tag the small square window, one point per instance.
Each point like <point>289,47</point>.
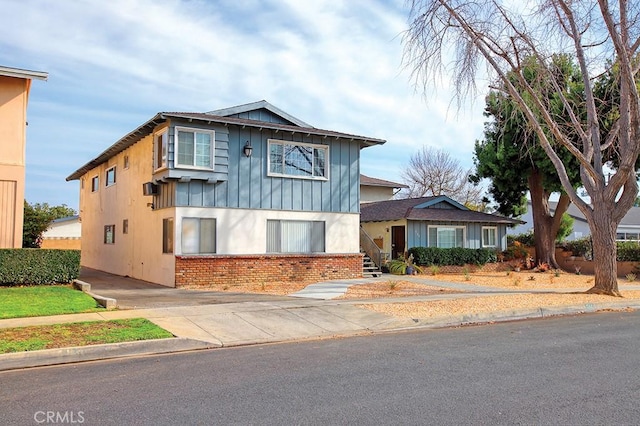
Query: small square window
<point>109,234</point>
<point>125,226</point>
<point>111,176</point>
<point>95,184</point>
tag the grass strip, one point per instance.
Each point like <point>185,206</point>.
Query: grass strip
<point>35,338</point>
<point>36,301</point>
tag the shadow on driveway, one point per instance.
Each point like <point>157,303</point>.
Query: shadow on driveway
<point>131,293</point>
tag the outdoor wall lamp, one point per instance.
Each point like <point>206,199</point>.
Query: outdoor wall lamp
<point>248,149</point>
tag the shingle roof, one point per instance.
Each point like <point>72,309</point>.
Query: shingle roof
<point>410,208</point>
<point>147,128</point>
<point>366,180</point>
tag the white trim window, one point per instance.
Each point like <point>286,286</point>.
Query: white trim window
<point>295,236</point>
<point>194,148</point>
<point>198,235</point>
<point>489,236</point>
<point>160,150</point>
<point>95,183</point>
<point>110,176</point>
<point>299,160</point>
<point>446,236</point>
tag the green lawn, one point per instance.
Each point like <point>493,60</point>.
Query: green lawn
<point>17,302</point>
<point>34,338</point>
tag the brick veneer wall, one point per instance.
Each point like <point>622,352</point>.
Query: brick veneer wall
<point>303,268</point>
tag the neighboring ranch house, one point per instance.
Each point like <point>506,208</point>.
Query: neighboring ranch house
<point>373,189</point>
<point>398,225</point>
<point>64,233</point>
<point>15,85</point>
<point>628,229</point>
<point>248,193</point>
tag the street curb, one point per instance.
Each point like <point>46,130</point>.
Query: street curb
<point>20,360</point>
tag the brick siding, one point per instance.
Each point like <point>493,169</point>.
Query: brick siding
<point>195,271</point>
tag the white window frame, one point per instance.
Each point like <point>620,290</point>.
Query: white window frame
<point>325,148</point>
<point>495,236</point>
<point>160,153</point>
<point>95,183</point>
<point>464,233</point>
<point>197,234</point>
<point>285,243</point>
<point>212,148</point>
<point>106,176</point>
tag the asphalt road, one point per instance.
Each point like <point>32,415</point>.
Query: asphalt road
<point>571,370</point>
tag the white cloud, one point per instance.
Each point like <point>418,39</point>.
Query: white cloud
<point>334,64</point>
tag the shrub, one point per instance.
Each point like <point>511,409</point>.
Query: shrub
<point>452,256</point>
<point>515,252</point>
<point>38,266</point>
<point>580,247</point>
<point>527,239</point>
<point>628,251</point>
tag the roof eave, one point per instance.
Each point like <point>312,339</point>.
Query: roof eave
<point>122,144</point>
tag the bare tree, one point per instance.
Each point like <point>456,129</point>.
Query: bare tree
<point>596,34</point>
<point>433,172</point>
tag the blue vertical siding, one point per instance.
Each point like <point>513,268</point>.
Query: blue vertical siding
<point>243,182</point>
<point>418,236</point>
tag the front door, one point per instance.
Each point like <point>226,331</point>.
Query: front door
<point>397,242</point>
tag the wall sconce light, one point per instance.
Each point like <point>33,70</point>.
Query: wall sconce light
<point>248,149</point>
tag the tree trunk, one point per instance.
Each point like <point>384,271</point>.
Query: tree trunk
<point>603,241</point>
<point>545,225</point>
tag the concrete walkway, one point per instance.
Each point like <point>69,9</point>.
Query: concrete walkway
<point>313,314</point>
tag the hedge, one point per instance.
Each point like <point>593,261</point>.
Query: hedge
<point>452,256</point>
<point>38,266</point>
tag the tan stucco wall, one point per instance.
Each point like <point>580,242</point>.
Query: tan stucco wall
<point>61,243</point>
<point>14,95</point>
<point>383,230</point>
<point>138,253</point>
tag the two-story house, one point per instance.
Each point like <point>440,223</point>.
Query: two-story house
<point>15,85</point>
<point>248,193</point>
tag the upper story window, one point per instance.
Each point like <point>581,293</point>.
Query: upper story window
<point>301,160</point>
<point>95,184</point>
<point>126,161</point>
<point>110,176</point>
<point>195,148</point>
<point>160,150</point>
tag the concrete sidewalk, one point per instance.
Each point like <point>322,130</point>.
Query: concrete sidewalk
<point>206,326</point>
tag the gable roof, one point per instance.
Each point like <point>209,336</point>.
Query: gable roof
<point>161,117</point>
<point>253,106</point>
<point>423,209</point>
<point>632,218</point>
<point>369,181</point>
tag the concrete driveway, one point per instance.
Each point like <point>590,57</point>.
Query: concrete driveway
<point>131,293</point>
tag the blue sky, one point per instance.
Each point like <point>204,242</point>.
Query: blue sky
<point>112,65</point>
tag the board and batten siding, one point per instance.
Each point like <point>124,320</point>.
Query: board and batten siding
<point>417,233</point>
<point>248,186</point>
<point>261,114</point>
